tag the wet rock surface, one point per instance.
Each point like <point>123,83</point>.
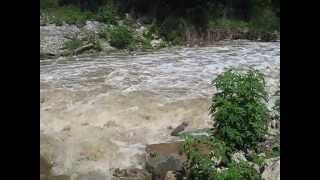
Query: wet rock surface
<point>131,174</point>
<point>271,169</point>
<point>162,158</point>
<point>179,129</point>
<point>170,176</point>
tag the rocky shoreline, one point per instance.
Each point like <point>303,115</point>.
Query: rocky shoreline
<point>53,38</point>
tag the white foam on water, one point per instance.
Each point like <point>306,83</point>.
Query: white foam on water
<point>105,109</point>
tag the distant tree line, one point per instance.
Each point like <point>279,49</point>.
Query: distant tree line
<point>196,11</point>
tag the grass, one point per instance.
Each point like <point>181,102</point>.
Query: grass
<point>228,24</point>
<point>71,14</point>
<point>67,14</point>
<point>73,44</point>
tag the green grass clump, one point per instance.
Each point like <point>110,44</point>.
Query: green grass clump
<point>228,24</point>
<point>67,14</point>
<point>237,171</point>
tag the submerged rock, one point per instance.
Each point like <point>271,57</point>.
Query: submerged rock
<point>170,176</point>
<point>92,176</point>
<point>131,174</point>
<point>162,158</point>
<point>179,129</point>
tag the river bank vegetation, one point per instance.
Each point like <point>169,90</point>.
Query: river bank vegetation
<point>174,22</point>
<point>233,150</point>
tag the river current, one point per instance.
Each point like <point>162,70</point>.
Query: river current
<point>99,111</point>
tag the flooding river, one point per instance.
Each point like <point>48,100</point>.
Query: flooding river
<point>99,112</point>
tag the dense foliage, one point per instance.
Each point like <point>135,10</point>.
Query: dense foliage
<point>241,117</point>
<point>237,171</point>
<point>239,109</point>
<point>204,155</point>
<point>196,12</point>
<point>208,160</point>
<point>120,37</point>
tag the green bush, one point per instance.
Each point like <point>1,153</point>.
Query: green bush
<point>48,4</point>
<point>172,29</point>
<point>204,155</point>
<point>107,14</point>
<point>266,20</point>
<point>239,109</point>
<point>120,37</point>
<point>237,171</point>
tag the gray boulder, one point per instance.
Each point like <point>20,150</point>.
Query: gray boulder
<point>162,158</point>
<point>161,164</point>
<point>271,169</point>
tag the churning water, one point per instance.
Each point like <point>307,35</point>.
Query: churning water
<point>99,112</point>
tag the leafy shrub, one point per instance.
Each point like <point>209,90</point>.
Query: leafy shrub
<point>237,171</point>
<point>107,14</point>
<point>172,29</point>
<point>239,109</point>
<point>204,155</point>
<point>48,4</point>
<point>120,37</point>
<point>266,20</point>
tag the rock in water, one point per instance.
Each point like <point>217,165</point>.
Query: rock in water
<point>179,129</point>
<point>156,43</point>
<point>272,169</point>
<point>170,176</point>
<point>131,174</point>
<point>92,175</point>
<point>162,158</point>
<point>160,164</point>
